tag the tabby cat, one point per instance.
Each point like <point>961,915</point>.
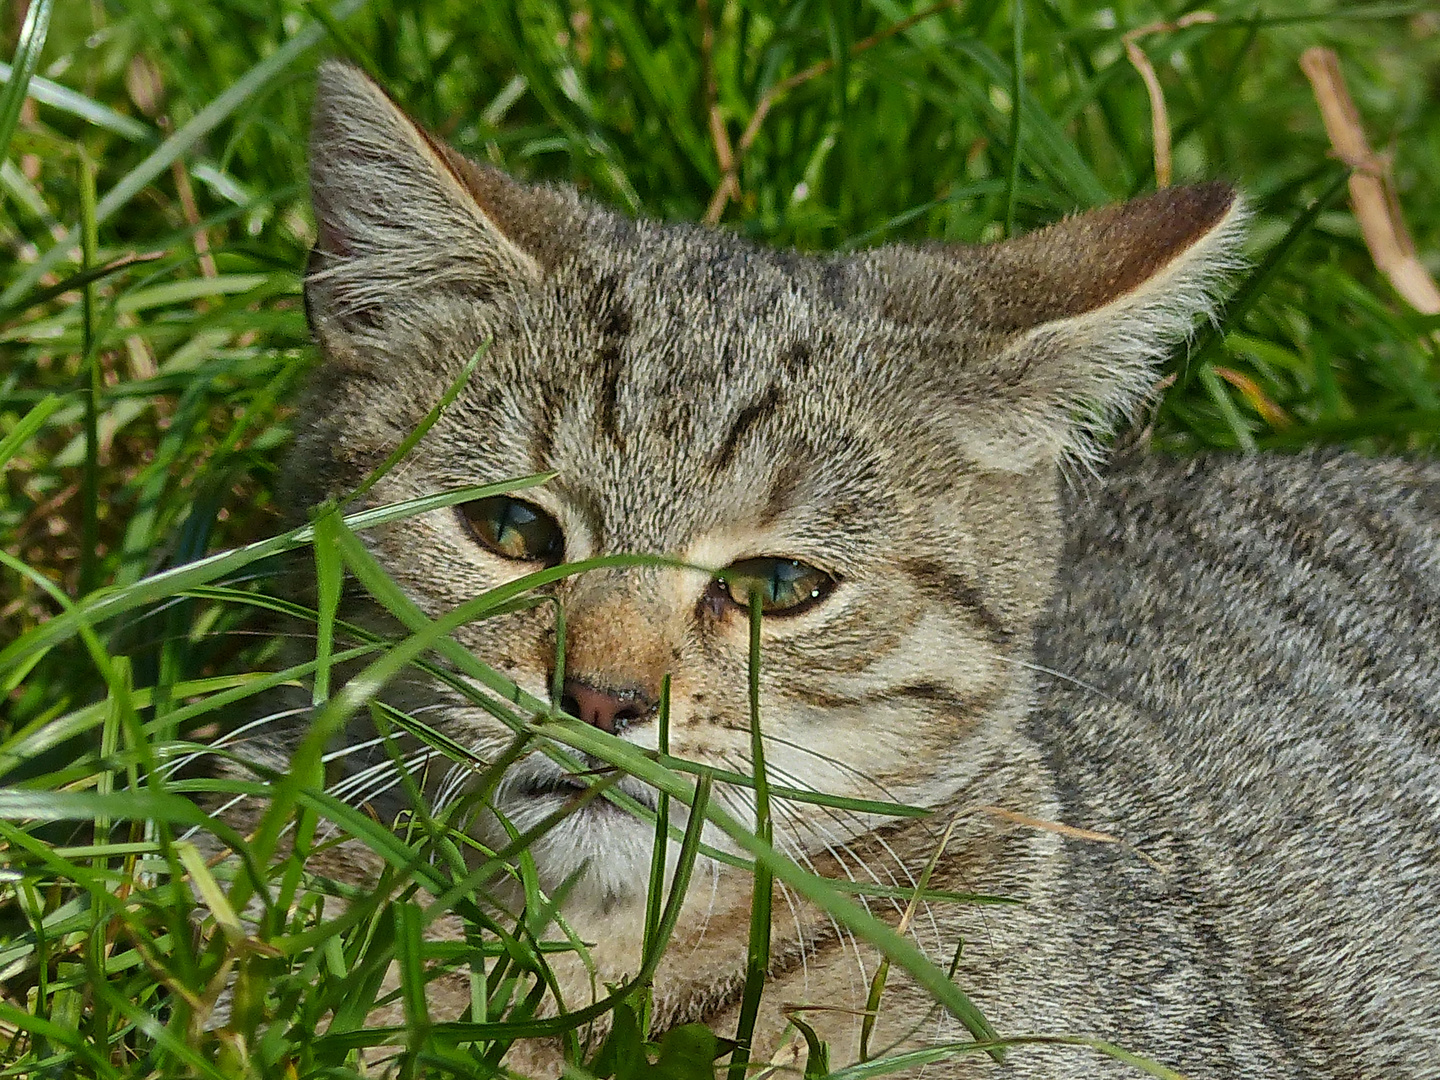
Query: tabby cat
<point>1229,665</point>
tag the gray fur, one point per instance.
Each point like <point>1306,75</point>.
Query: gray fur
<point>1253,702</point>
<point>1230,665</point>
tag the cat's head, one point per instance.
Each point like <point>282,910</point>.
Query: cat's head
<point>870,441</point>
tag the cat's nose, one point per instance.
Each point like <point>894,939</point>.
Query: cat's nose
<point>610,710</point>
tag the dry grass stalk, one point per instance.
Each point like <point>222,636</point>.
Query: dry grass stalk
<point>191,211</point>
<point>729,186</point>
<point>1372,195</point>
<point>1274,415</point>
<point>146,86</point>
<point>1066,830</point>
<point>1159,115</point>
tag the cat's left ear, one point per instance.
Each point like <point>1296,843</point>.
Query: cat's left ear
<point>1058,333</point>
<point>404,222</point>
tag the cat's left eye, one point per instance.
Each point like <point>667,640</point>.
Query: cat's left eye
<point>515,529</point>
<point>785,586</point>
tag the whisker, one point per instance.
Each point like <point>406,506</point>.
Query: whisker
<point>845,766</point>
<point>1042,669</point>
<point>240,734</point>
<point>359,787</point>
<point>879,838</point>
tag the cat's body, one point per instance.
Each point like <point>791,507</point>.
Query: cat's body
<point>1262,718</point>
<point>1236,676</point>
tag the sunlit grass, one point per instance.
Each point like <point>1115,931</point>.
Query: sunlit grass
<point>151,331</point>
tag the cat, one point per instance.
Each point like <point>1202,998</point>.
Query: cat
<point>1229,665</point>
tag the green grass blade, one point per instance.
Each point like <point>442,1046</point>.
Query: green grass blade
<point>662,826</point>
<point>90,365</point>
<point>757,955</point>
<point>34,805</point>
<point>329,576</point>
<point>27,426</point>
<point>690,847</point>
<point>409,948</point>
<point>243,90</point>
<point>1017,110</point>
<point>27,58</point>
<point>77,104</point>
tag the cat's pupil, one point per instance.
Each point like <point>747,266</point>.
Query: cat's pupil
<point>783,585</point>
<point>515,529</point>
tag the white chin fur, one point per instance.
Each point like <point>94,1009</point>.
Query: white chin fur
<point>609,844</point>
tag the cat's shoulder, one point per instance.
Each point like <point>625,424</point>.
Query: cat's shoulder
<point>1305,580</point>
<point>1331,491</point>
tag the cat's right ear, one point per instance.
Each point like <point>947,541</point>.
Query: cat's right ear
<point>1054,335</point>
<point>404,222</point>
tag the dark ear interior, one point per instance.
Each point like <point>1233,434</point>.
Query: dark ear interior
<point>1074,266</point>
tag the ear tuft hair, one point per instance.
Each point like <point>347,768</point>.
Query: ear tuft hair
<point>400,216</point>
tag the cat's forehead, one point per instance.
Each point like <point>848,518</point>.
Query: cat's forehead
<point>679,278</point>
<point>682,382</point>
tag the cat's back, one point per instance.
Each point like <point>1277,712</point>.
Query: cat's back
<point>1246,689</point>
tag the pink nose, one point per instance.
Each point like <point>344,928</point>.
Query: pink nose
<point>611,711</point>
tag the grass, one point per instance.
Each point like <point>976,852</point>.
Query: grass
<point>156,228</point>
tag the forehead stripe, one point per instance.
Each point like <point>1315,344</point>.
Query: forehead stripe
<point>613,323</point>
<point>744,421</point>
<point>948,587</point>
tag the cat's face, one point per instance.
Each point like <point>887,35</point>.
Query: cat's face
<point>869,444</point>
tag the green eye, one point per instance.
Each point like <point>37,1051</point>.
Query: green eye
<point>784,585</point>
<point>514,529</point>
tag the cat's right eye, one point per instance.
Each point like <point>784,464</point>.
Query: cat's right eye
<point>784,586</point>
<point>514,529</point>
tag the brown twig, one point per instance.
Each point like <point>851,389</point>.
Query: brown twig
<point>1250,390</point>
<point>1065,830</point>
<point>729,186</point>
<point>192,216</point>
<point>1159,115</point>
<point>1372,194</point>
